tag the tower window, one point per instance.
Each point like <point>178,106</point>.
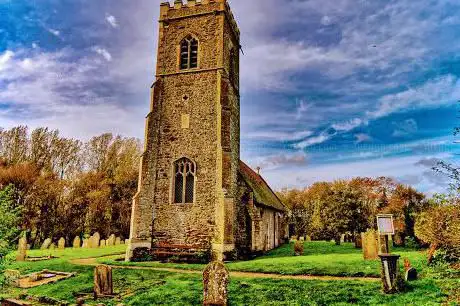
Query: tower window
<point>189,53</point>
<point>184,181</point>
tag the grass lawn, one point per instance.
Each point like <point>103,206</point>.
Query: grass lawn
<point>319,258</point>
<point>148,287</point>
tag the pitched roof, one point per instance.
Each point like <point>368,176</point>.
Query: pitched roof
<point>262,192</point>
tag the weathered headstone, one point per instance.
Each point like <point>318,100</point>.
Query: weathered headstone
<point>302,238</point>
<point>96,238</point>
<point>22,249</point>
<point>111,240</point>
<point>117,241</point>
<point>391,281</point>
<point>61,243</point>
<point>215,283</point>
<point>358,241</point>
<point>102,243</point>
<point>342,238</point>
<point>370,245</point>
<point>103,285</point>
<point>52,246</point>
<point>308,238</point>
<point>46,244</point>
<point>126,241</point>
<point>76,242</point>
<point>85,243</point>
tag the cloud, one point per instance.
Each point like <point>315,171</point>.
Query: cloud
<point>406,128</point>
<point>283,160</point>
<point>362,137</point>
<point>347,125</point>
<point>104,53</point>
<point>111,20</point>
<point>56,33</point>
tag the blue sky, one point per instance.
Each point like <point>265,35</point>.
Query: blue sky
<point>330,88</point>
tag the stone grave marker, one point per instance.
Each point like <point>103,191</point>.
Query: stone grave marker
<point>111,240</point>
<point>76,242</point>
<point>85,243</point>
<point>61,243</point>
<point>96,240</point>
<point>22,249</point>
<point>102,243</point>
<point>46,244</point>
<point>342,238</point>
<point>308,238</point>
<point>103,285</point>
<point>117,241</point>
<point>215,283</point>
<point>370,245</point>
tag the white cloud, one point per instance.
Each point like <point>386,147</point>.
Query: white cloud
<point>362,137</point>
<point>312,141</point>
<point>54,32</point>
<point>111,20</point>
<point>406,128</point>
<point>104,53</point>
<point>347,125</point>
<point>5,58</point>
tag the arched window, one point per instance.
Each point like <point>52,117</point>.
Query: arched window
<point>189,53</point>
<point>184,181</point>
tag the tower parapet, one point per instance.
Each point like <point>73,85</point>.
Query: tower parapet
<point>180,9</point>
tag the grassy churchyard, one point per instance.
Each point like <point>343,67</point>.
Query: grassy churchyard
<point>153,283</point>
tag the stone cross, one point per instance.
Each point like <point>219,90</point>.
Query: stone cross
<point>103,285</point>
<point>215,283</point>
<point>76,242</point>
<point>22,249</point>
<point>61,243</point>
<point>46,244</point>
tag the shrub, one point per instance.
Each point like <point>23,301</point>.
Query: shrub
<point>439,226</point>
<point>411,242</point>
<point>298,248</point>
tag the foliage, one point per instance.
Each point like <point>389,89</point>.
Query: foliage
<point>67,188</point>
<point>325,210</point>
<point>411,243</point>
<point>298,248</point>
<point>439,226</point>
<point>9,225</point>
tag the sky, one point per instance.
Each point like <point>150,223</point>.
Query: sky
<point>330,89</point>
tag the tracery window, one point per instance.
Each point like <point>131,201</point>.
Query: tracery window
<point>189,53</point>
<point>184,181</point>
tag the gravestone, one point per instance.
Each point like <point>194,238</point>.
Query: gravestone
<point>411,274</point>
<point>22,249</point>
<point>103,285</point>
<point>46,244</point>
<point>85,243</point>
<point>358,241</point>
<point>215,283</point>
<point>52,246</point>
<point>96,238</point>
<point>391,282</point>
<point>102,243</point>
<point>126,241</point>
<point>370,245</point>
<point>61,243</point>
<point>117,241</point>
<point>76,242</point>
<point>342,238</point>
<point>111,240</point>
<point>308,238</point>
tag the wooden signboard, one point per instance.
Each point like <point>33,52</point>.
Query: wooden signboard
<point>385,224</point>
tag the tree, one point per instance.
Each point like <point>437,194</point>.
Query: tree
<point>9,225</point>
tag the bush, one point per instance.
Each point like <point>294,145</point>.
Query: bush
<point>411,243</point>
<point>439,226</point>
<point>298,248</point>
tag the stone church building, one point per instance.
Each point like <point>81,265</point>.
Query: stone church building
<point>195,195</point>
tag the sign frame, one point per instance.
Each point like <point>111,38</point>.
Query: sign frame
<point>386,217</point>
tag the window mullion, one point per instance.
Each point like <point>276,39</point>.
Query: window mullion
<point>189,55</point>
<point>184,185</point>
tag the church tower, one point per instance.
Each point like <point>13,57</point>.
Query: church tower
<point>186,200</point>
